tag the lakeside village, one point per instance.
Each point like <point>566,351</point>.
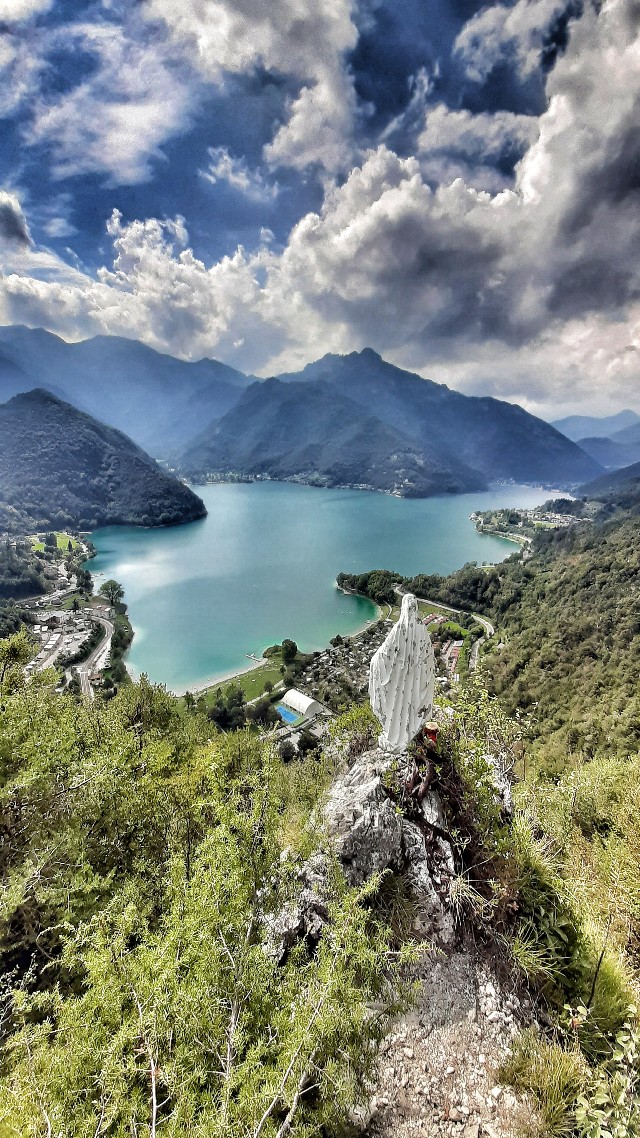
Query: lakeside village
<point>286,693</point>
<point>291,695</point>
<point>521,525</point>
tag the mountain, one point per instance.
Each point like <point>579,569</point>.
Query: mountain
<point>628,436</point>
<point>59,467</point>
<point>356,420</point>
<point>313,433</point>
<point>159,401</point>
<point>610,453</point>
<point>578,427</point>
<point>623,484</point>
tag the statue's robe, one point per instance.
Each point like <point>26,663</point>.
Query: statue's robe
<point>402,679</point>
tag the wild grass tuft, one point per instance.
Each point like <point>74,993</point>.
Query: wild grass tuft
<point>553,1076</point>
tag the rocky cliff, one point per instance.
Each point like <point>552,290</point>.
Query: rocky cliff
<point>437,1070</point>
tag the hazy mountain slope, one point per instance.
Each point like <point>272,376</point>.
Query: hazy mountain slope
<point>624,481</point>
<point>578,427</point>
<point>59,467</point>
<point>628,436</point>
<point>499,439</point>
<point>609,453</point>
<point>311,431</point>
<point>159,401</point>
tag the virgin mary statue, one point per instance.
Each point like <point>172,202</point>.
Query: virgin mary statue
<point>402,679</point>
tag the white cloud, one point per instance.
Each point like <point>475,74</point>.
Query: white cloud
<point>506,32</point>
<point>305,39</point>
<point>17,11</point>
<point>117,119</point>
<point>21,63</point>
<point>223,167</point>
<point>458,144</point>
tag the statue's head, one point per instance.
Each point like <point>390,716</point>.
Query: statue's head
<point>409,608</point>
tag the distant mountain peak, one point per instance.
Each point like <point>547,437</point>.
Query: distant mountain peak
<point>368,354</point>
<point>358,420</point>
<point>35,395</point>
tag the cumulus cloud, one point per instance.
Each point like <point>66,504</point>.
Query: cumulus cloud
<point>116,120</point>
<point>17,11</point>
<point>457,144</point>
<point>305,39</point>
<point>517,33</point>
<point>223,167</point>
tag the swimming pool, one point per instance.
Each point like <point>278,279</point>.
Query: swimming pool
<point>286,713</point>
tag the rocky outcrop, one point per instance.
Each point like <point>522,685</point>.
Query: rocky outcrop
<point>306,916</point>
<point>370,833</point>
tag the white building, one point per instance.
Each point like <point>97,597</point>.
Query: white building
<point>303,705</point>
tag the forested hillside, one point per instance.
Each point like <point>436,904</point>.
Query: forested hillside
<point>23,573</point>
<point>312,433</point>
<point>61,468</point>
<point>143,870</point>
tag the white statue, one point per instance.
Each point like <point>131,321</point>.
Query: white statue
<point>402,679</point>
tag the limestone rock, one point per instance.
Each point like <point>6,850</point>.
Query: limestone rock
<point>304,918</point>
<point>370,834</point>
<point>363,824</point>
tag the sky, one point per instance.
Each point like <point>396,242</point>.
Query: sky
<point>455,185</point>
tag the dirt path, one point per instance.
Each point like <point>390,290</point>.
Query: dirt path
<point>437,1072</point>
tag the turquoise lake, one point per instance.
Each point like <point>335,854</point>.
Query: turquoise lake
<point>262,566</point>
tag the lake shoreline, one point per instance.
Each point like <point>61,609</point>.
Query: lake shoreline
<point>263,565</point>
<point>208,685</point>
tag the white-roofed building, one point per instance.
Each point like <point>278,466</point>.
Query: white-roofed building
<point>304,705</point>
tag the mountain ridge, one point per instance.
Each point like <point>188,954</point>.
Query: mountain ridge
<point>576,427</point>
<point>294,431</point>
<point>476,439</point>
<point>60,467</point>
<point>156,399</point>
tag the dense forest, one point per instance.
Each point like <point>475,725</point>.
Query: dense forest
<point>61,469</point>
<point>144,864</point>
<point>23,572</point>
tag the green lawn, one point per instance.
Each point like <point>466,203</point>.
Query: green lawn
<point>62,539</point>
<point>423,608</point>
<point>455,630</point>
<point>252,683</point>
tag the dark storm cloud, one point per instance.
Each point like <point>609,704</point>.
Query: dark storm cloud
<point>13,227</point>
<point>592,284</point>
<point>611,183</point>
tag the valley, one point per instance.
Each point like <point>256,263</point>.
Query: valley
<point>106,626</point>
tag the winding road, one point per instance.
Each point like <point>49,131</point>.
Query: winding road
<point>481,620</point>
<point>95,661</point>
